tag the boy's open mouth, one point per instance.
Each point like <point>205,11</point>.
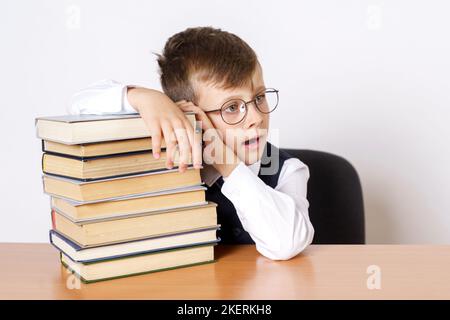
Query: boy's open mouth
<point>252,143</point>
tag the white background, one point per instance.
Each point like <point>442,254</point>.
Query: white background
<point>367,80</point>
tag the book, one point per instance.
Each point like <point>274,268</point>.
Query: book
<point>116,211</point>
<point>96,149</point>
<point>87,128</point>
<point>102,167</point>
<point>147,224</point>
<point>140,264</point>
<point>106,252</point>
<point>154,201</point>
<point>106,189</point>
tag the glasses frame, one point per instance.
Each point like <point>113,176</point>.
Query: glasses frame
<point>271,90</point>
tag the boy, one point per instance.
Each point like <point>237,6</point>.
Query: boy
<point>216,75</point>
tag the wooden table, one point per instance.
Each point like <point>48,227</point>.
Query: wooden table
<point>33,271</point>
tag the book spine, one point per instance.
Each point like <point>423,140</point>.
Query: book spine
<point>118,176</point>
<point>53,219</point>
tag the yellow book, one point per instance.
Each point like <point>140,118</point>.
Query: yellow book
<point>86,128</point>
<point>105,167</point>
<point>107,189</point>
<point>114,230</point>
<point>171,199</point>
<point>87,150</point>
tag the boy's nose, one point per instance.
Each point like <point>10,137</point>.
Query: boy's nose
<point>254,117</point>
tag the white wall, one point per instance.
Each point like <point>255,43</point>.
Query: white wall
<point>368,80</point>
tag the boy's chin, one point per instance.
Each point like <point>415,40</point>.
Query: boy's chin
<point>250,157</point>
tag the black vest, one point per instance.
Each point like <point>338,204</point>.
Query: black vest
<point>231,230</point>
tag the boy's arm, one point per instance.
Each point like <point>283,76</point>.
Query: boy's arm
<point>102,97</point>
<point>276,218</point>
<point>161,115</point>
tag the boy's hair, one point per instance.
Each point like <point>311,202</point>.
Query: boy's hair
<point>204,54</point>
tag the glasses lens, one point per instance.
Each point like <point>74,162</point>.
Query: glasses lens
<point>233,111</point>
<point>267,101</point>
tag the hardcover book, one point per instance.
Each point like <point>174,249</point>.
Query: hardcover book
<point>154,244</point>
<point>126,206</point>
<point>96,149</point>
<point>102,167</point>
<point>140,264</point>
<point>107,189</point>
<point>147,224</point>
<point>87,128</point>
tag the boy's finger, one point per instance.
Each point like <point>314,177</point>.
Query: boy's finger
<point>155,134</point>
<point>170,144</point>
<point>156,142</point>
<point>184,148</point>
<point>195,140</point>
<point>186,107</point>
<point>189,130</point>
<point>206,123</point>
<point>197,151</point>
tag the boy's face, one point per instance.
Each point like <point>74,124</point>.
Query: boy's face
<point>239,137</point>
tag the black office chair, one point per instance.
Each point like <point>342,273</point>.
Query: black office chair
<point>335,198</point>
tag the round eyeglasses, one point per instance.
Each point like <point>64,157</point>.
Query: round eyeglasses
<point>234,111</point>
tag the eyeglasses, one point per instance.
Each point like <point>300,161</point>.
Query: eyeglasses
<point>234,111</point>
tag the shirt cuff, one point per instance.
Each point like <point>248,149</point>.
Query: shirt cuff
<point>127,107</point>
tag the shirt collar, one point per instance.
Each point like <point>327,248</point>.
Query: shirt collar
<point>210,175</point>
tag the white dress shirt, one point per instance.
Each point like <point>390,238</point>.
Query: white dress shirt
<point>276,218</point>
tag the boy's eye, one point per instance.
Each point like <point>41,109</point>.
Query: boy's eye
<point>260,98</point>
<point>232,108</point>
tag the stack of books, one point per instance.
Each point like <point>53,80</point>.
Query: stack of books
<point>115,209</point>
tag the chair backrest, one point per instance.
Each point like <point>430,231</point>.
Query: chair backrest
<point>335,197</point>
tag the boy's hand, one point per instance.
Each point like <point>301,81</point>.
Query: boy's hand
<point>166,120</point>
<point>224,158</point>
